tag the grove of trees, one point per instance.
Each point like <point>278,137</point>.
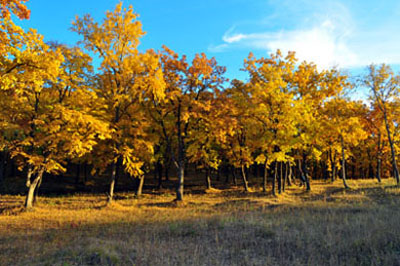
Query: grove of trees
<point>159,112</point>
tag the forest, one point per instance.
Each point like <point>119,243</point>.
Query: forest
<point>156,111</point>
<point>168,150</point>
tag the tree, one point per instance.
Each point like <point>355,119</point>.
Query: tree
<point>342,121</point>
<point>275,111</point>
<point>41,131</point>
<point>384,88</point>
<point>126,78</point>
<point>187,88</point>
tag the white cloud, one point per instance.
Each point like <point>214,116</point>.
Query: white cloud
<point>327,35</point>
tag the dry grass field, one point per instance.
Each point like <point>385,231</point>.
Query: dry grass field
<point>328,226</point>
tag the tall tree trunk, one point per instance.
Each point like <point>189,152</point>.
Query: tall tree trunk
<point>265,175</point>
<point>392,149</point>
<point>285,176</point>
<point>343,164</point>
<point>179,189</point>
<point>208,178</point>
<point>36,192</point>
<point>159,171</point>
<point>274,178</point>
<point>379,159</point>
<point>112,184</point>
<point>181,157</point>
<point>245,183</point>
<point>280,178</point>
<point>290,174</point>
<point>139,190</point>
<point>305,172</point>
<point>31,187</point>
<point>333,166</point>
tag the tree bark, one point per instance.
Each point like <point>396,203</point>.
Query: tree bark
<point>31,187</point>
<point>208,178</point>
<point>343,164</point>
<point>181,157</point>
<point>139,190</point>
<point>290,174</point>
<point>305,172</point>
<point>112,184</point>
<point>285,176</point>
<point>333,166</point>
<point>280,178</point>
<point>245,183</point>
<point>274,178</point>
<point>159,171</point>
<point>379,159</point>
<point>181,176</point>
<point>265,176</point>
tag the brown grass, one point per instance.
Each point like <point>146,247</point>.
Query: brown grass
<point>328,226</point>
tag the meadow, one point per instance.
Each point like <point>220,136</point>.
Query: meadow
<point>326,226</point>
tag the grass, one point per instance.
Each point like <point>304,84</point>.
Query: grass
<point>328,226</point>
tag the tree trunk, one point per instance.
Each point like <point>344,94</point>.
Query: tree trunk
<point>112,184</point>
<point>265,176</point>
<point>208,178</point>
<point>245,183</point>
<point>343,164</point>
<point>333,166</point>
<point>139,190</point>
<point>280,178</point>
<point>31,188</point>
<point>392,149</point>
<point>274,178</point>
<point>305,172</point>
<point>160,174</point>
<point>379,160</point>
<point>36,193</point>
<point>285,177</point>
<point>179,189</point>
<point>290,174</point>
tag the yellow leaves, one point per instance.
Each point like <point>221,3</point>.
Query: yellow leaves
<point>14,6</point>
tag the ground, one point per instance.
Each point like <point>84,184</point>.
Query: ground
<point>327,226</point>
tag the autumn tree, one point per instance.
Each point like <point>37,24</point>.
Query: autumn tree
<point>342,121</point>
<point>188,87</point>
<point>126,78</point>
<point>384,87</point>
<point>40,130</point>
<point>275,110</point>
<point>240,128</point>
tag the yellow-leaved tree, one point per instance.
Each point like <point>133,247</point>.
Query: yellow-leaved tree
<point>125,80</point>
<point>41,131</point>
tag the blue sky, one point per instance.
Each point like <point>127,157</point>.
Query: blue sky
<point>348,34</point>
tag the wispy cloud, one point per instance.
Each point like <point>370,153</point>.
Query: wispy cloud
<point>327,35</point>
